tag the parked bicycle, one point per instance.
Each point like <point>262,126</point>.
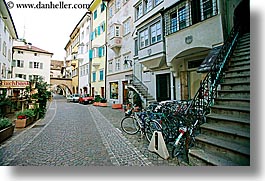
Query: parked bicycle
<point>136,120</point>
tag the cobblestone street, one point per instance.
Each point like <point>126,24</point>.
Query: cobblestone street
<point>72,134</point>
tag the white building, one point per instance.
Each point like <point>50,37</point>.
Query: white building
<point>30,62</point>
<point>83,50</point>
<point>120,49</point>
<point>7,35</point>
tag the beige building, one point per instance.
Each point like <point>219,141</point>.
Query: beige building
<point>120,49</point>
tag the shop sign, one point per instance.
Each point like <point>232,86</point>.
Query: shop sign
<point>13,84</point>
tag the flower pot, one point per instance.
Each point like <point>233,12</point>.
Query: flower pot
<point>22,123</point>
<point>103,104</point>
<point>116,106</point>
<point>6,133</point>
<point>96,103</point>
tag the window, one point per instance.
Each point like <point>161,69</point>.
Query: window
<point>114,90</point>
<point>147,5</point>
<point>136,47</point>
<point>173,18</point>
<point>139,11</point>
<point>19,63</point>
<point>157,2</point>
<point>36,65</point>
<point>94,77</point>
<point>118,4</point>
<point>95,14</point>
<point>156,33</point>
<point>110,66</point>
<point>117,65</point>
<point>21,76</point>
<point>127,62</point>
<point>144,38</point>
<point>101,75</point>
<point>117,31</point>
<point>182,18</point>
<point>102,7</point>
<point>111,11</point>
<point>207,9</point>
<point>4,48</point>
<point>126,27</point>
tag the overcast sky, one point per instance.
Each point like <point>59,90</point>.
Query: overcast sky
<point>48,29</point>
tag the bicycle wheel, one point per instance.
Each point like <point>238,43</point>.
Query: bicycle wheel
<point>129,125</point>
<point>179,149</point>
<point>151,126</point>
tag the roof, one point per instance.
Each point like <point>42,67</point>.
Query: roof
<point>9,21</point>
<point>31,48</point>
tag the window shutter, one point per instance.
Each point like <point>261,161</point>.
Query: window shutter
<point>41,65</point>
<point>98,30</point>
<point>14,63</point>
<point>90,54</point>
<point>30,64</point>
<point>100,51</point>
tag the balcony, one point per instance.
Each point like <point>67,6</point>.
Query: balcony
<point>80,56</point>
<point>115,43</point>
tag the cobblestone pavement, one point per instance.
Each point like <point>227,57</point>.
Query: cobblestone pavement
<point>71,135</point>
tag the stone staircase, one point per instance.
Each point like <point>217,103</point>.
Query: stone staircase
<point>225,137</point>
<point>140,88</point>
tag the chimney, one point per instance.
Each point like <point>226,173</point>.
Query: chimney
<point>29,45</point>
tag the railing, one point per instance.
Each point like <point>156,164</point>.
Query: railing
<point>187,13</point>
<point>204,97</point>
<point>136,82</point>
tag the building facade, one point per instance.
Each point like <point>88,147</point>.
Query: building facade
<point>119,49</point>
<point>7,35</point>
<point>150,54</point>
<point>30,62</point>
<point>82,56</point>
<point>97,52</point>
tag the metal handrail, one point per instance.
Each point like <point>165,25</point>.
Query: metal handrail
<point>136,81</point>
<point>207,92</point>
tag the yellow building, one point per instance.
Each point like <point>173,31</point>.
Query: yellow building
<point>74,63</point>
<point>97,53</point>
<point>71,61</point>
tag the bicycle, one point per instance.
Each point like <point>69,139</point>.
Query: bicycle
<point>133,122</point>
<point>185,138</point>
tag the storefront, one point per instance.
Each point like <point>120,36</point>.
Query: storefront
<point>15,87</point>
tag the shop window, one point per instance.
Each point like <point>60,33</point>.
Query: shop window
<point>114,90</point>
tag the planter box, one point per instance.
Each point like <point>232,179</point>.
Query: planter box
<point>96,103</point>
<point>103,104</point>
<point>22,123</point>
<point>116,106</point>
<point>6,133</point>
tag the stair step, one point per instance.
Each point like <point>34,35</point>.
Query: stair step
<point>234,93</point>
<point>225,119</point>
<point>241,64</point>
<point>240,58</point>
<point>236,85</point>
<point>201,157</point>
<point>242,112</point>
<point>235,147</point>
<point>233,78</point>
<point>238,71</point>
<point>242,49</point>
<point>238,102</point>
<point>225,129</point>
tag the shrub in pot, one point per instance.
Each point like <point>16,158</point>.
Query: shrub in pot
<point>6,129</point>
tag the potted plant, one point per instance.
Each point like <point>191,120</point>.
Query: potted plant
<point>6,129</point>
<point>24,118</point>
<point>97,100</point>
<point>103,102</point>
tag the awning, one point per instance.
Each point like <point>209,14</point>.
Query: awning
<point>209,60</point>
